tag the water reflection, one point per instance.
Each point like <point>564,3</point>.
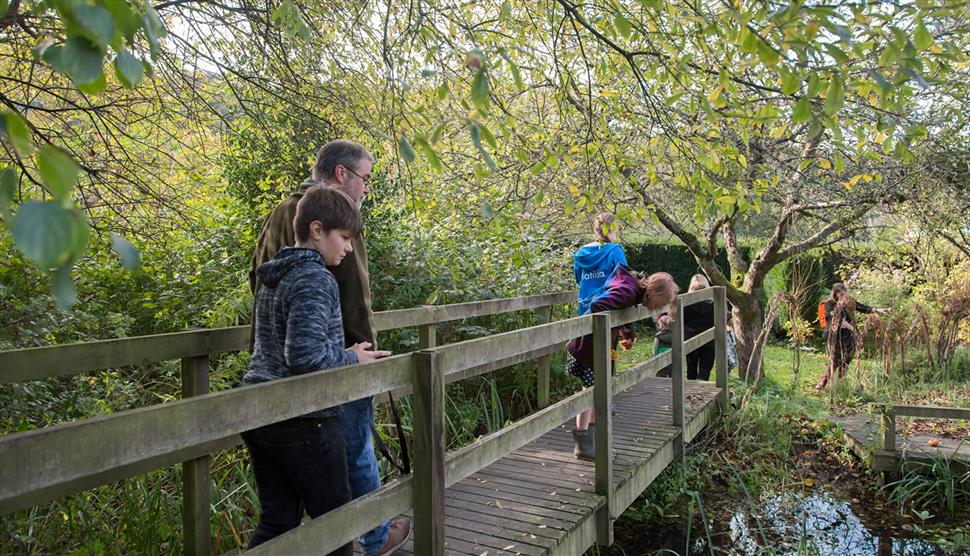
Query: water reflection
<point>817,523</point>
<point>796,524</point>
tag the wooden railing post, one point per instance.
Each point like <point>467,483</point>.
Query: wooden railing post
<point>196,507</point>
<point>427,337</point>
<point>603,409</point>
<point>888,429</point>
<point>720,345</point>
<point>428,402</point>
<point>544,316</point>
<point>677,365</point>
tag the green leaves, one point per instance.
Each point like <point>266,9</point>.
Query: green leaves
<point>126,21</point>
<point>58,170</point>
<point>429,153</point>
<point>922,39</point>
<point>622,25</point>
<point>767,53</point>
<point>287,16</point>
<point>790,81</point>
<point>96,22</point>
<point>15,128</point>
<point>407,151</point>
<point>91,29</point>
<point>477,131</point>
<point>835,96</point>
<point>129,256</point>
<point>45,232</point>
<point>63,287</point>
<point>802,112</point>
<point>8,188</point>
<point>80,59</point>
<point>814,85</point>
<point>480,88</point>
<point>53,237</point>
<point>128,69</point>
<point>884,85</point>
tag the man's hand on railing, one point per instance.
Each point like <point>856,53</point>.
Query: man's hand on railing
<point>365,356</point>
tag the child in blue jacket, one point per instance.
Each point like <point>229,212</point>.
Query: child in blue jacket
<point>595,261</point>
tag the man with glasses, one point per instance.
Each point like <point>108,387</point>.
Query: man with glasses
<point>347,166</point>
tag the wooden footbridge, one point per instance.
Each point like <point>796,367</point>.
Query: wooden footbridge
<point>879,442</point>
<point>516,491</point>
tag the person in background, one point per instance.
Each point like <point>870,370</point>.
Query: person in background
<point>732,350</point>
<point>840,331</point>
<point>698,317</point>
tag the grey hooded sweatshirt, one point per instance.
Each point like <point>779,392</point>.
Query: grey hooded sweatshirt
<point>299,327</point>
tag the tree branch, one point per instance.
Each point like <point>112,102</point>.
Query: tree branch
<point>816,239</point>
<point>693,244</point>
<point>735,257</point>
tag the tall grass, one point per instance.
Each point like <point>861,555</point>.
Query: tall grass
<point>939,484</point>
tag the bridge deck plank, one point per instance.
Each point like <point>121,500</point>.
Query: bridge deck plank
<point>863,437</point>
<point>534,499</point>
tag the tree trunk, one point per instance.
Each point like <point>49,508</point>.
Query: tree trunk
<point>748,322</point>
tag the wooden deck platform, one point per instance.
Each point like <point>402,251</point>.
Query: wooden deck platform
<point>541,500</point>
<point>862,434</point>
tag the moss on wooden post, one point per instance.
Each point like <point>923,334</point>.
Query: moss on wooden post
<point>720,345</point>
<point>428,394</point>
<point>196,510</point>
<point>677,364</point>
<point>544,316</point>
<point>603,408</point>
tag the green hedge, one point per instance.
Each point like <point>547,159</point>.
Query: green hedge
<point>820,270</point>
<point>668,257</point>
<point>817,270</point>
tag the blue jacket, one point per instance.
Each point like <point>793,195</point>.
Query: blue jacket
<point>298,321</point>
<point>592,265</point>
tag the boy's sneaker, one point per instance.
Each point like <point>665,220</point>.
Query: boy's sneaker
<point>399,530</point>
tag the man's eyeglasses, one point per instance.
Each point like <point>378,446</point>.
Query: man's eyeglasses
<point>362,178</point>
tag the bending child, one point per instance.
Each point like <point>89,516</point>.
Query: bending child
<point>624,288</point>
<point>593,263</point>
<point>301,463</point>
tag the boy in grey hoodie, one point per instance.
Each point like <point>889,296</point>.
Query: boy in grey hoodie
<point>301,463</point>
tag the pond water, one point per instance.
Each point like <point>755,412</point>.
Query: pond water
<point>792,523</point>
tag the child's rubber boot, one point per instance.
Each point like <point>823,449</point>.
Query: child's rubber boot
<point>584,444</point>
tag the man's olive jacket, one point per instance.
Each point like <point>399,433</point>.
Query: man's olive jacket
<point>351,274</point>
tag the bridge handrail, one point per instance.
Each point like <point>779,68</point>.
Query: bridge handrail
<point>75,358</point>
<point>51,462</point>
<point>890,412</point>
<point>463,359</point>
<point>931,411</point>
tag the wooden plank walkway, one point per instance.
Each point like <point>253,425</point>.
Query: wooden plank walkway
<point>863,436</point>
<point>540,499</point>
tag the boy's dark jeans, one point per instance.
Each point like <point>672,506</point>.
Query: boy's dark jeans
<point>299,464</point>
